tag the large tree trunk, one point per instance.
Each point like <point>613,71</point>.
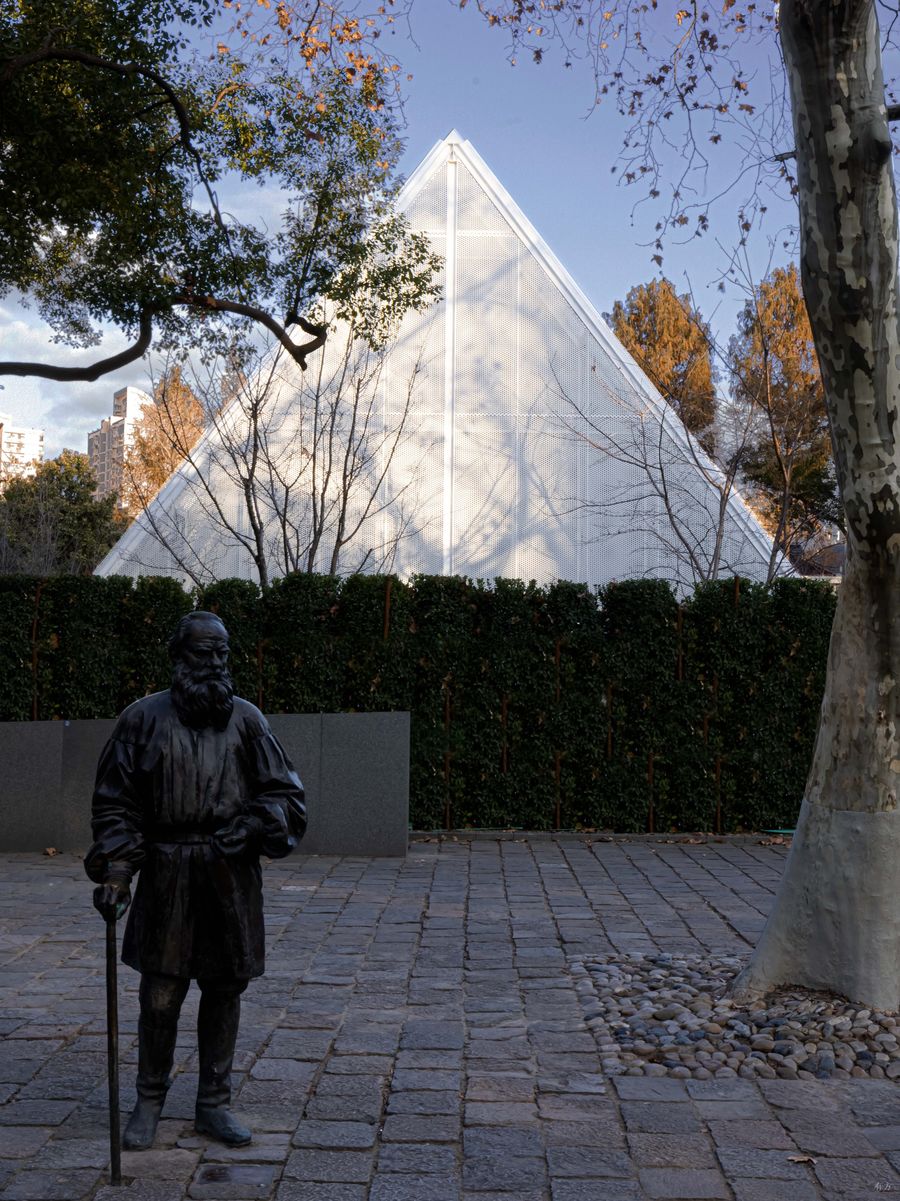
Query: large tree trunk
<point>836,920</point>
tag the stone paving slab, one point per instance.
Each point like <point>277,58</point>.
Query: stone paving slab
<point>419,1036</point>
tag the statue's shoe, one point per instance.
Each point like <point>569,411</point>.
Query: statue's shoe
<point>141,1129</point>
<point>221,1124</point>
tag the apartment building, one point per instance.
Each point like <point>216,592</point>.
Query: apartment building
<point>21,449</point>
<point>108,444</point>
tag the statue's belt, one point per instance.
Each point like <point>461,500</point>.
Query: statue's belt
<point>181,837</point>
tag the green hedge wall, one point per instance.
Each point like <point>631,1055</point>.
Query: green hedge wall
<point>539,708</point>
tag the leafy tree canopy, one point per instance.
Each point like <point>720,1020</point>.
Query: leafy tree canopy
<point>773,366</point>
<point>670,341</point>
<point>50,524</point>
<point>167,430</point>
<point>119,120</point>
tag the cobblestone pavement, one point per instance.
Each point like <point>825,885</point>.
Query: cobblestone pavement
<point>419,1037</point>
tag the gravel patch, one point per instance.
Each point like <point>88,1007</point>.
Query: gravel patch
<point>669,1015</point>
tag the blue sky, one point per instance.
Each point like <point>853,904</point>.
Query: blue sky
<point>534,128</point>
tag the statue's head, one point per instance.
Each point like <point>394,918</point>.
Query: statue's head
<point>199,635</point>
<point>201,686</point>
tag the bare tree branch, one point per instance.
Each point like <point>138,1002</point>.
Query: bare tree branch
<point>292,472</point>
<point>94,370</point>
<point>297,353</point>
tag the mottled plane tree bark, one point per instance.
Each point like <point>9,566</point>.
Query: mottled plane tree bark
<point>836,920</point>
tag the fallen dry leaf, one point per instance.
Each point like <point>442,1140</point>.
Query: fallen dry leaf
<point>50,852</point>
<point>801,1159</point>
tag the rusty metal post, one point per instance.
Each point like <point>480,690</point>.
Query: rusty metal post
<point>504,752</point>
<point>260,696</point>
<point>650,823</point>
<point>557,760</point>
<point>387,608</point>
<point>679,661</point>
<point>447,806</point>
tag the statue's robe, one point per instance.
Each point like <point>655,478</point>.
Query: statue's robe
<point>162,790</point>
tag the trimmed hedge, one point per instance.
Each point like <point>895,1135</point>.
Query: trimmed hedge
<point>539,708</point>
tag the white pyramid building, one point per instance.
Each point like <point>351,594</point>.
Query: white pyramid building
<point>534,447</point>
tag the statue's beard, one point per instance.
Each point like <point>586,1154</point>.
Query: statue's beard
<point>203,698</point>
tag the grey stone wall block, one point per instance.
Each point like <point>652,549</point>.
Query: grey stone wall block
<point>30,785</point>
<point>301,736</point>
<point>364,803</point>
<point>354,768</point>
<point>81,746</point>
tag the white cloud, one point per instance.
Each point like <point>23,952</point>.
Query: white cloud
<point>66,412</point>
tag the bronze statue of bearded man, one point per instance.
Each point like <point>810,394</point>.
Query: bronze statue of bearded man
<point>191,789</point>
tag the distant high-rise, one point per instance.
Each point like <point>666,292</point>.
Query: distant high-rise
<point>107,445</point>
<point>21,449</point>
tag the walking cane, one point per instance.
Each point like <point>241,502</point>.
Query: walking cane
<point>112,1052</point>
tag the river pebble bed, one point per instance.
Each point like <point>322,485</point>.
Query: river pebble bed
<point>669,1015</point>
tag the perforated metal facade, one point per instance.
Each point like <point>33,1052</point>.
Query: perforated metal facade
<point>535,447</point>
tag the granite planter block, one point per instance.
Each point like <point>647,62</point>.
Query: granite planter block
<point>354,768</point>
<point>363,806</point>
<point>301,736</point>
<point>81,746</point>
<point>31,754</point>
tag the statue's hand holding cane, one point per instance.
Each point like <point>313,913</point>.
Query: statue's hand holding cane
<point>112,897</point>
